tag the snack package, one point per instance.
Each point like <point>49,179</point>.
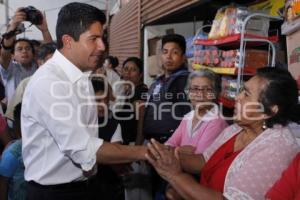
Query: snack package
<point>215,29</point>
<point>229,88</point>
<point>229,21</point>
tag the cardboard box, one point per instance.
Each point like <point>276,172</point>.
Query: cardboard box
<point>154,66</point>
<point>153,45</point>
<point>293,52</point>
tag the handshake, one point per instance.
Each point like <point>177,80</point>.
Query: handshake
<point>166,159</point>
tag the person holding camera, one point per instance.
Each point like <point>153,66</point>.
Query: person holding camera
<point>17,56</point>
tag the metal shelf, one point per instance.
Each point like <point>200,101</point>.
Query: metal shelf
<point>250,71</point>
<point>239,41</point>
<point>234,40</point>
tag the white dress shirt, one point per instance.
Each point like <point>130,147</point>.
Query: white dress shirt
<point>59,124</point>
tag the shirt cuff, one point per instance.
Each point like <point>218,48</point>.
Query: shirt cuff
<point>94,144</point>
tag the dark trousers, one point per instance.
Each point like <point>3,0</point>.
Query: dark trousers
<point>69,191</point>
<point>106,192</point>
<point>106,189</point>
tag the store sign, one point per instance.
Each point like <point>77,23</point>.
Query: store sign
<point>294,57</point>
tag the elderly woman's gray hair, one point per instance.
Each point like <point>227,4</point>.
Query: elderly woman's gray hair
<point>213,77</point>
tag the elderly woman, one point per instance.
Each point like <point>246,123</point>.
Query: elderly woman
<point>200,127</point>
<point>247,157</point>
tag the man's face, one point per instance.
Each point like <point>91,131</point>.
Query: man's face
<point>23,53</point>
<point>89,48</point>
<point>172,56</point>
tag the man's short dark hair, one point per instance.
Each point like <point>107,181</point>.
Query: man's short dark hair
<point>75,18</point>
<point>45,50</point>
<point>35,43</point>
<point>22,40</point>
<point>176,38</point>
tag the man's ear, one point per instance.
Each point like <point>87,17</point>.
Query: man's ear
<point>67,41</point>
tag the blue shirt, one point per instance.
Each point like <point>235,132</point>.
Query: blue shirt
<point>12,167</point>
<point>13,75</point>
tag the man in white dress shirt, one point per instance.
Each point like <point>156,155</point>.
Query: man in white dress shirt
<point>59,114</point>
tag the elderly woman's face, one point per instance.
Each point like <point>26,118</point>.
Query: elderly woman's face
<point>248,110</point>
<point>201,92</point>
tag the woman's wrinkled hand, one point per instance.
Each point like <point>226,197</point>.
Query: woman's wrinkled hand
<point>163,159</point>
<point>187,149</point>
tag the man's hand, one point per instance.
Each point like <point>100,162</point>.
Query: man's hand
<point>7,43</point>
<point>44,29</point>
<point>44,26</point>
<point>164,161</point>
<point>16,20</point>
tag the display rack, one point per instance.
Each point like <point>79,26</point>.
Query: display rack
<point>240,41</point>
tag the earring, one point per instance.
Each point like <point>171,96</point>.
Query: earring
<point>264,126</point>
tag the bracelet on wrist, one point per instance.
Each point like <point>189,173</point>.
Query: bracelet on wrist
<point>6,47</point>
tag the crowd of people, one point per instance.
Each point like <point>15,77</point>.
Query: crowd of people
<point>73,127</point>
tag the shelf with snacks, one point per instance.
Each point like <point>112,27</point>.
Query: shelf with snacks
<point>234,40</point>
<point>250,71</point>
<point>230,47</point>
<point>226,62</point>
<point>228,92</point>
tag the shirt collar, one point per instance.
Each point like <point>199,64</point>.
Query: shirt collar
<point>72,72</point>
<point>183,67</point>
<point>211,114</point>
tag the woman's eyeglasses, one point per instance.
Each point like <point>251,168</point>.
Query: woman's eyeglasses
<point>197,90</point>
